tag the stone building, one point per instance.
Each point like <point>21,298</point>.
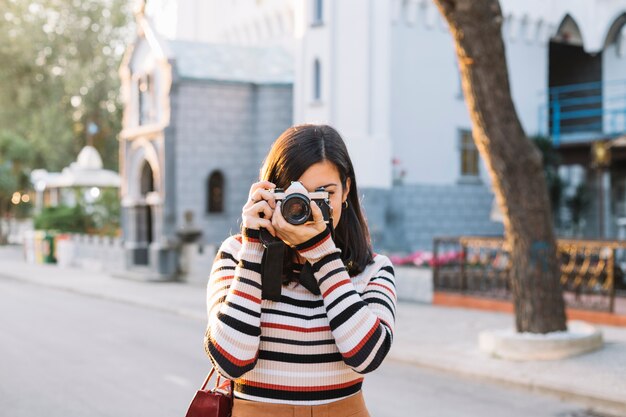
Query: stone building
<point>198,119</point>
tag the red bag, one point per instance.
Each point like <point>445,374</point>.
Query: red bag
<point>216,402</point>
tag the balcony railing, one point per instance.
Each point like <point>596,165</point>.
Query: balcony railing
<point>584,111</point>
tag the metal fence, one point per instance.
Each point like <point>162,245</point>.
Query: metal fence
<point>481,266</point>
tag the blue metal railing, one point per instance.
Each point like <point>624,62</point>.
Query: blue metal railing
<point>584,111</point>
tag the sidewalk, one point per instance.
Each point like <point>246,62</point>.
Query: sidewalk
<point>428,336</point>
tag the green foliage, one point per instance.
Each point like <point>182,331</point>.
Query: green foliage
<point>15,155</point>
<point>64,219</point>
<point>59,63</point>
<point>106,213</point>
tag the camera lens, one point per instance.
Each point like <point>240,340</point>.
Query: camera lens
<point>296,209</point>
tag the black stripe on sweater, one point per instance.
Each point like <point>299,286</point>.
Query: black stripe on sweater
<point>346,314</point>
<point>304,246</point>
<point>224,268</point>
<point>388,268</point>
<point>297,395</point>
<point>361,356</point>
<point>225,255</point>
<point>382,303</point>
<point>238,325</point>
<point>294,315</point>
<point>269,355</point>
<point>251,266</point>
<point>340,299</point>
<point>230,368</point>
<point>250,282</point>
<point>377,292</point>
<point>330,274</point>
<point>389,280</point>
<point>325,260</point>
<point>296,342</point>
<point>301,303</point>
<point>380,354</point>
<point>243,309</point>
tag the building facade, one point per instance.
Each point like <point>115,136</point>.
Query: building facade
<point>384,73</point>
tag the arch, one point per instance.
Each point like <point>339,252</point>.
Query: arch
<point>142,151</point>
<point>215,192</point>
<point>146,180</point>
<point>568,32</point>
<point>613,32</point>
<point>317,80</point>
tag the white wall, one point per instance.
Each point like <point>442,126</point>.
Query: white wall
<point>355,80</point>
<point>614,87</point>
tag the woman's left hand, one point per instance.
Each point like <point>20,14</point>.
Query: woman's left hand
<point>295,235</point>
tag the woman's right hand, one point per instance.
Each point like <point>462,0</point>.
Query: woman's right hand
<point>258,210</point>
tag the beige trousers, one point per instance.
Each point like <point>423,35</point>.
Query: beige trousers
<point>353,406</point>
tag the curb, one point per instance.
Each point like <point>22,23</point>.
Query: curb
<point>528,383</point>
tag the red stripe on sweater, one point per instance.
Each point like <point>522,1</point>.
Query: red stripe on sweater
<point>225,278</point>
<point>231,358</point>
<point>334,286</point>
<point>316,245</point>
<point>300,389</point>
<point>384,286</point>
<point>248,296</point>
<point>363,341</point>
<point>295,328</point>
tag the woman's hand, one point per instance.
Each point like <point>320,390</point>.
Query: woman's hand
<point>259,209</point>
<point>295,235</point>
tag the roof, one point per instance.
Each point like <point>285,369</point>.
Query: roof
<point>85,172</point>
<point>207,61</point>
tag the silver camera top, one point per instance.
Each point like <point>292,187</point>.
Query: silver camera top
<point>297,187</point>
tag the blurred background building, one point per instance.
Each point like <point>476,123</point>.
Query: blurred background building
<point>208,85</point>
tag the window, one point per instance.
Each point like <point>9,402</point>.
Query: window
<point>146,99</point>
<point>215,192</point>
<point>469,155</point>
<point>318,12</point>
<point>317,81</point>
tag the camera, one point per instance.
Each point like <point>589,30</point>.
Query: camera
<point>296,203</point>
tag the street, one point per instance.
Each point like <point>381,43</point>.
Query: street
<point>66,354</point>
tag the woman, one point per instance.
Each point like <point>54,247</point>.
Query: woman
<point>310,349</point>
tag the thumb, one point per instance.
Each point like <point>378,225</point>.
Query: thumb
<point>317,212</point>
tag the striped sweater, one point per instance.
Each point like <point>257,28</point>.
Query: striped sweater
<point>305,349</point>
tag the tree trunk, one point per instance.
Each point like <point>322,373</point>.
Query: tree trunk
<point>514,163</point>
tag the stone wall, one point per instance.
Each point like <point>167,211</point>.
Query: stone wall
<point>408,217</point>
<point>227,127</point>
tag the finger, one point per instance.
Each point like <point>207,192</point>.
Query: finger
<point>255,210</point>
<point>261,185</point>
<point>267,224</point>
<point>263,194</point>
<point>318,216</point>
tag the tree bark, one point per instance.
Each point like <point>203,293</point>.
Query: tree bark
<point>514,163</point>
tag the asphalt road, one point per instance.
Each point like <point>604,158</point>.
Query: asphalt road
<point>66,354</point>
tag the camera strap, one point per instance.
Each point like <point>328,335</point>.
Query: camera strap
<point>272,266</point>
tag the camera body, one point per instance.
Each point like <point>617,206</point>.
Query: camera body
<point>296,203</point>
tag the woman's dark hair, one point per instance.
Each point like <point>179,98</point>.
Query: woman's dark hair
<point>295,150</point>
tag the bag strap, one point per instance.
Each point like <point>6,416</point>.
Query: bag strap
<point>217,383</point>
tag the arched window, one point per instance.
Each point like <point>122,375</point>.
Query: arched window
<point>147,179</point>
<point>215,192</point>
<point>317,80</point>
<point>318,12</point>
